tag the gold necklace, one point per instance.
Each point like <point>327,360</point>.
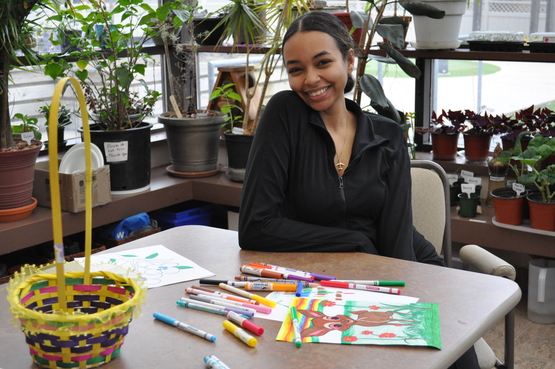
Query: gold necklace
<point>340,165</point>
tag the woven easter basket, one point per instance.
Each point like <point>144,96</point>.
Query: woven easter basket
<point>74,315</point>
<point>92,329</point>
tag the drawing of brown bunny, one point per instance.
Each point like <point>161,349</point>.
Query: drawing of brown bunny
<point>323,323</point>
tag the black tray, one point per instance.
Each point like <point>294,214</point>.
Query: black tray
<point>542,47</point>
<point>508,46</point>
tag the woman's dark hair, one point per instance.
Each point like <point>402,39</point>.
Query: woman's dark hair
<point>330,24</point>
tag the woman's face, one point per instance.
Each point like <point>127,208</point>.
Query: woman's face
<point>316,69</point>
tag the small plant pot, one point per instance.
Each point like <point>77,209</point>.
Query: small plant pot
<point>444,146</point>
<point>542,214</point>
<point>468,205</point>
<point>476,148</point>
<point>454,191</point>
<point>508,207</point>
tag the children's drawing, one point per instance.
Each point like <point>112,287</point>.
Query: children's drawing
<point>157,264</point>
<point>364,323</point>
<point>283,299</point>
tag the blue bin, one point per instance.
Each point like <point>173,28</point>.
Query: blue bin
<point>187,213</point>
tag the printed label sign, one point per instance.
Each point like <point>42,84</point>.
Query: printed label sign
<point>475,180</point>
<point>116,152</point>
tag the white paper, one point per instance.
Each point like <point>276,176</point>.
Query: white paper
<point>157,264</point>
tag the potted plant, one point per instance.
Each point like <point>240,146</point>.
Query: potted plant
<point>109,66</point>
<point>445,129</point>
<point>238,144</point>
<point>530,174</point>
<point>193,135</point>
<point>17,158</point>
<point>477,136</point>
<point>438,33</point>
<point>64,120</point>
<point>371,22</point>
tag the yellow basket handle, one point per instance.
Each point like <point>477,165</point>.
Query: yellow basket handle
<point>55,186</point>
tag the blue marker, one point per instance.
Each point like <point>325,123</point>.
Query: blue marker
<point>299,289</point>
<point>213,362</point>
<point>184,327</point>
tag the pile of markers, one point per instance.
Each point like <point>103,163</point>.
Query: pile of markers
<point>240,305</point>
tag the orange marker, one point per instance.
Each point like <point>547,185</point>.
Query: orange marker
<point>268,286</point>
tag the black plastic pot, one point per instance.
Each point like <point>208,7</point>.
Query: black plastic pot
<point>238,148</point>
<point>128,154</point>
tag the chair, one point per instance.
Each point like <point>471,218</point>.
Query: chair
<point>432,218</point>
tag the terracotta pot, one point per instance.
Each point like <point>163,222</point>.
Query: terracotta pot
<point>444,146</point>
<point>17,172</point>
<point>542,214</point>
<point>508,208</point>
<point>9,215</point>
<point>346,19</point>
<point>476,148</point>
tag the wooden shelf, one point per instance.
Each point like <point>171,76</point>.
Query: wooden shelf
<point>165,190</point>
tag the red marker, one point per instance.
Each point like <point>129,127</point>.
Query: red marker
<point>245,323</point>
<point>260,272</point>
<point>336,284</point>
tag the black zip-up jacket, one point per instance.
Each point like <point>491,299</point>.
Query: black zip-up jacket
<point>293,199</point>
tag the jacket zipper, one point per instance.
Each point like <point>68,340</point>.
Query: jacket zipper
<point>342,189</point>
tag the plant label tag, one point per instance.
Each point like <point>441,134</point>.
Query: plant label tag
<point>466,174</point>
<point>475,180</point>
<point>518,188</point>
<point>468,188</point>
<point>452,178</point>
<point>27,136</point>
<point>116,152</point>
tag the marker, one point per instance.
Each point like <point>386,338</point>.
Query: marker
<point>212,362</point>
<point>223,303</point>
<point>275,280</point>
<point>218,281</point>
<point>299,290</point>
<point>249,269</point>
<point>201,291</point>
<point>184,327</point>
<point>269,286</point>
<point>258,308</point>
<point>295,322</point>
<point>281,269</point>
<point>373,283</point>
<point>214,309</point>
<point>262,300</point>
<point>250,314</point>
<point>240,333</point>
<point>336,284</point>
<point>245,323</point>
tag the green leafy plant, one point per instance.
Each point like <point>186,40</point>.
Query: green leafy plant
<point>373,21</point>
<point>64,115</point>
<point>18,17</point>
<point>28,124</point>
<point>529,172</point>
<point>110,43</point>
<point>227,102</point>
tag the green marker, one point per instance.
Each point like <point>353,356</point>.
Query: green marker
<point>374,283</point>
<point>295,320</point>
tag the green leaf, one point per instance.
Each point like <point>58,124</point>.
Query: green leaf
<point>129,256</point>
<point>82,75</point>
<point>152,256</point>
<point>373,89</point>
<point>405,64</point>
<point>183,267</point>
<point>394,33</point>
<point>417,8</point>
<point>358,19</point>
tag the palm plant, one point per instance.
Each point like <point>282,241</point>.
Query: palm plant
<point>16,24</point>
